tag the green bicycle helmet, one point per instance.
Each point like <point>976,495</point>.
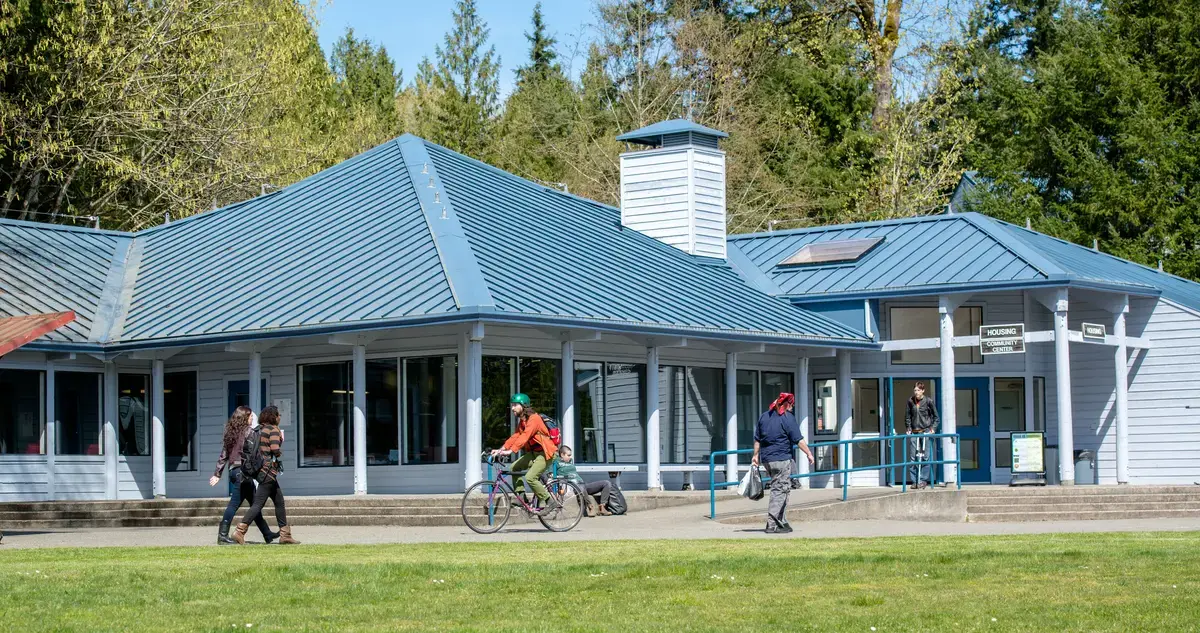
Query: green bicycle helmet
<point>520,398</point>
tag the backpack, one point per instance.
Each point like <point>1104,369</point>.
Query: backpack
<point>616,502</point>
<point>552,427</point>
<point>252,457</point>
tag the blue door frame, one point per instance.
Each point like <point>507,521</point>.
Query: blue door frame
<point>976,439</point>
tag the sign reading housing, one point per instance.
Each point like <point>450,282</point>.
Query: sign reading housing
<point>1094,332</point>
<point>1002,339</point>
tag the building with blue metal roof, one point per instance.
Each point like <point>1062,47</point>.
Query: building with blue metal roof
<point>390,304</point>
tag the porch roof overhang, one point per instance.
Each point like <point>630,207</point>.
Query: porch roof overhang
<point>975,288</point>
<point>19,331</point>
<point>486,315</point>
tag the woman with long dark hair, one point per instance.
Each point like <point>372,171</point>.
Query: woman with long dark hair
<point>240,425</point>
<point>270,445</point>
<point>533,437</point>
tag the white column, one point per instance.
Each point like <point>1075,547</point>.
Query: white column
<point>1122,393</point>
<point>473,443</point>
<point>653,451</point>
<point>358,382</point>
<point>158,439</point>
<point>845,408</point>
<point>111,450</point>
<point>803,406</point>
<point>949,416</point>
<point>256,403</point>
<point>731,421</point>
<point>51,433</point>
<point>567,395</point>
<point>1062,370</point>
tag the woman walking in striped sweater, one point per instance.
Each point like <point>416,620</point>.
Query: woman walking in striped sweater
<point>270,444</point>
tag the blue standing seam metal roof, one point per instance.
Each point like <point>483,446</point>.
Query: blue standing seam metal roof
<point>919,256</point>
<point>54,268</point>
<point>651,133</point>
<point>364,245</point>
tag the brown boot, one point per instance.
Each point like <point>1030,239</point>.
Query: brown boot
<point>285,536</point>
<point>239,535</point>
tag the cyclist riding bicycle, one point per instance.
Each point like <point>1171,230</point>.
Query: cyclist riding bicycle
<point>533,437</point>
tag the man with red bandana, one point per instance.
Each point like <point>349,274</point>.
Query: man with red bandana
<point>774,436</point>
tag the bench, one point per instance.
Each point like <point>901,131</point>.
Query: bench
<point>614,470</point>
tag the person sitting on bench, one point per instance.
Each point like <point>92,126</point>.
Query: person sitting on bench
<point>601,489</point>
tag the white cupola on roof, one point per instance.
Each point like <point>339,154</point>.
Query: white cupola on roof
<point>674,191</point>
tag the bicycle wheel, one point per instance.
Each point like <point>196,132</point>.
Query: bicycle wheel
<point>485,507</point>
<point>570,500</point>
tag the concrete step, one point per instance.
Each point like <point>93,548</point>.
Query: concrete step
<point>296,520</point>
<point>1019,517</point>
<point>1134,506</point>
<point>1053,500</point>
<point>978,493</point>
<point>213,514</point>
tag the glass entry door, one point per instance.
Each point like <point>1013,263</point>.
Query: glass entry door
<point>973,416</point>
<point>900,392</point>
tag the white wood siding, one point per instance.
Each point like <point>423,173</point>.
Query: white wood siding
<point>676,195</point>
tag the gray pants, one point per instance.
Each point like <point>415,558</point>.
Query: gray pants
<point>781,488</point>
<point>918,450</point>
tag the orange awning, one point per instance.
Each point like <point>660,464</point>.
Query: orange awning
<point>19,330</point>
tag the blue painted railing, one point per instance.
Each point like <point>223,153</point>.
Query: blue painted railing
<point>933,451</point>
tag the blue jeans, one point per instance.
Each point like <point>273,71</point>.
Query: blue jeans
<point>238,493</point>
<point>918,450</point>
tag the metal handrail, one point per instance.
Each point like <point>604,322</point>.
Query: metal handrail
<point>890,439</point>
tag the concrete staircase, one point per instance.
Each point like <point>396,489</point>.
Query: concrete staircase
<point>1074,503</point>
<point>393,510</point>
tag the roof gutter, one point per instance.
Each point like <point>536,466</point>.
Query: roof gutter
<point>922,291</point>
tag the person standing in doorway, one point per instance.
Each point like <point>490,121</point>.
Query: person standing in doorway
<point>920,418</point>
<point>775,435</point>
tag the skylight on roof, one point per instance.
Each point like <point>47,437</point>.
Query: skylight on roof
<point>832,252</point>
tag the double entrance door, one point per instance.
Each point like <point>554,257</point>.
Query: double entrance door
<point>972,398</point>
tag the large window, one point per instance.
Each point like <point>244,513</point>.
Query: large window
<point>825,418</point>
<point>755,392</point>
<point>865,415</point>
<point>133,419</point>
<point>77,411</point>
<point>610,423</point>
<point>1010,416</point>
<point>671,415</point>
<point>431,423</point>
<point>383,409</point>
<point>503,376</point>
<point>923,323</point>
<point>1039,404</point>
<point>22,412</point>
<point>180,396</point>
<point>325,402</point>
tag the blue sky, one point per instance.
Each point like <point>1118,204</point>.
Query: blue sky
<point>410,29</point>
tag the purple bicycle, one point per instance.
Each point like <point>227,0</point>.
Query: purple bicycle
<point>487,504</point>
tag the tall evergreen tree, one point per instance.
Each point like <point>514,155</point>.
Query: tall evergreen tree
<point>366,87</point>
<point>541,49</point>
<point>465,86</point>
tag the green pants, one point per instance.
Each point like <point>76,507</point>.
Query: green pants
<point>534,464</point>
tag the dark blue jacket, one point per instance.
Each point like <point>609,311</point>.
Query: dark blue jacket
<point>777,435</point>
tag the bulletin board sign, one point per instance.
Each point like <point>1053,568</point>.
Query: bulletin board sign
<point>1029,457</point>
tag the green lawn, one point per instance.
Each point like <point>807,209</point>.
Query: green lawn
<point>1108,582</point>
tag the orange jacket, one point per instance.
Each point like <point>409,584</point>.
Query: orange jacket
<point>532,435</point>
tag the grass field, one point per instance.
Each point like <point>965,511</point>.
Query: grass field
<point>1085,582</point>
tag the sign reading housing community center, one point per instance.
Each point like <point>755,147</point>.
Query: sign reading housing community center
<point>1002,339</point>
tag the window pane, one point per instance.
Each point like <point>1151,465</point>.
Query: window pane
<point>179,424</point>
<point>923,322</point>
<point>866,405</point>
<point>747,407</point>
<point>431,433</point>
<point>133,424</point>
<point>539,380</point>
<point>499,384</point>
<point>773,384</point>
<point>705,414</point>
<point>825,406</point>
<point>671,429</point>
<point>77,412</point>
<point>383,406</point>
<point>1003,452</point>
<point>625,413</point>
<point>969,457</point>
<point>325,411</point>
<point>589,413</point>
<point>22,418</point>
<point>1039,404</point>
<point>1010,404</point>
<point>865,454</point>
<point>966,407</point>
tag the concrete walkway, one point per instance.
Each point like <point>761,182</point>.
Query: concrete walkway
<point>684,522</point>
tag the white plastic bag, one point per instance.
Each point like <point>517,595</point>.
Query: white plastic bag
<point>751,485</point>
<point>745,484</point>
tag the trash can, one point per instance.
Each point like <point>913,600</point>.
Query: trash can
<point>1085,467</point>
